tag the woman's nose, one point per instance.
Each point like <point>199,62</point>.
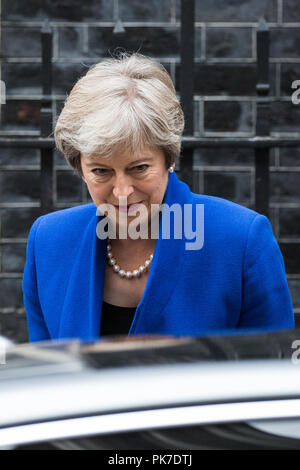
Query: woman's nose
<point>122,187</point>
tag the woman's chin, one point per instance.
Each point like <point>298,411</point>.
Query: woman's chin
<point>130,227</point>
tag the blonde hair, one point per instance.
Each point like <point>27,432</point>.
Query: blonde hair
<point>125,102</point>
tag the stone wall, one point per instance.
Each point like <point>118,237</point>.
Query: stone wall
<point>224,105</point>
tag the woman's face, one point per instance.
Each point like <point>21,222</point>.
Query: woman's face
<point>124,181</point>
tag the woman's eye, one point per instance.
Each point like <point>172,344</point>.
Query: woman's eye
<point>140,167</point>
<point>100,171</point>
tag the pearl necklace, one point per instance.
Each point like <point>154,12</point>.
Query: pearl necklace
<point>127,274</point>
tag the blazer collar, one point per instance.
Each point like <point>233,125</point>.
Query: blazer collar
<point>165,267</point>
<point>81,314</point>
<point>82,304</point>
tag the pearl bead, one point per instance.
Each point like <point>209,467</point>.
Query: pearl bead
<point>122,273</point>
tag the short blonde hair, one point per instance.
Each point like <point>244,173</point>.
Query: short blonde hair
<point>121,103</point>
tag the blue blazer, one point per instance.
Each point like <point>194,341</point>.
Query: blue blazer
<point>236,281</point>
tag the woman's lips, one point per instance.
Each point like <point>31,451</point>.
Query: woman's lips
<point>125,209</point>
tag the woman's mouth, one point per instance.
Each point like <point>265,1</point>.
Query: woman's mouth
<point>129,207</point>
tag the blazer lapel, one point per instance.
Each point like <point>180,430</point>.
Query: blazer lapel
<point>82,305</point>
<point>165,267</point>
<point>81,313</point>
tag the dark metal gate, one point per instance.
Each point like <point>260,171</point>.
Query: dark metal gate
<point>261,142</point>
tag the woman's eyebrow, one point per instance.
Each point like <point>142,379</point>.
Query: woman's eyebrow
<point>93,163</point>
<point>149,159</point>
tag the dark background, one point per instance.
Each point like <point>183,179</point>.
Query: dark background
<point>225,51</point>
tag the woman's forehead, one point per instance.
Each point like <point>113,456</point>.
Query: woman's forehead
<point>124,156</point>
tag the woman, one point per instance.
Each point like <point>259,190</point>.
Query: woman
<point>120,129</point>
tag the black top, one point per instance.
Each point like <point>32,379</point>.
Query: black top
<point>116,320</point>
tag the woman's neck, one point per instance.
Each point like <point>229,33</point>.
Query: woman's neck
<point>130,244</point>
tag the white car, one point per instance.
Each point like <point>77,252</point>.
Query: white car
<point>239,391</point>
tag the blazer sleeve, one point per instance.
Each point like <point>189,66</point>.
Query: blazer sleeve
<point>266,301</point>
<point>35,320</point>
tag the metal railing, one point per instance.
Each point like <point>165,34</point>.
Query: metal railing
<point>262,142</point>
